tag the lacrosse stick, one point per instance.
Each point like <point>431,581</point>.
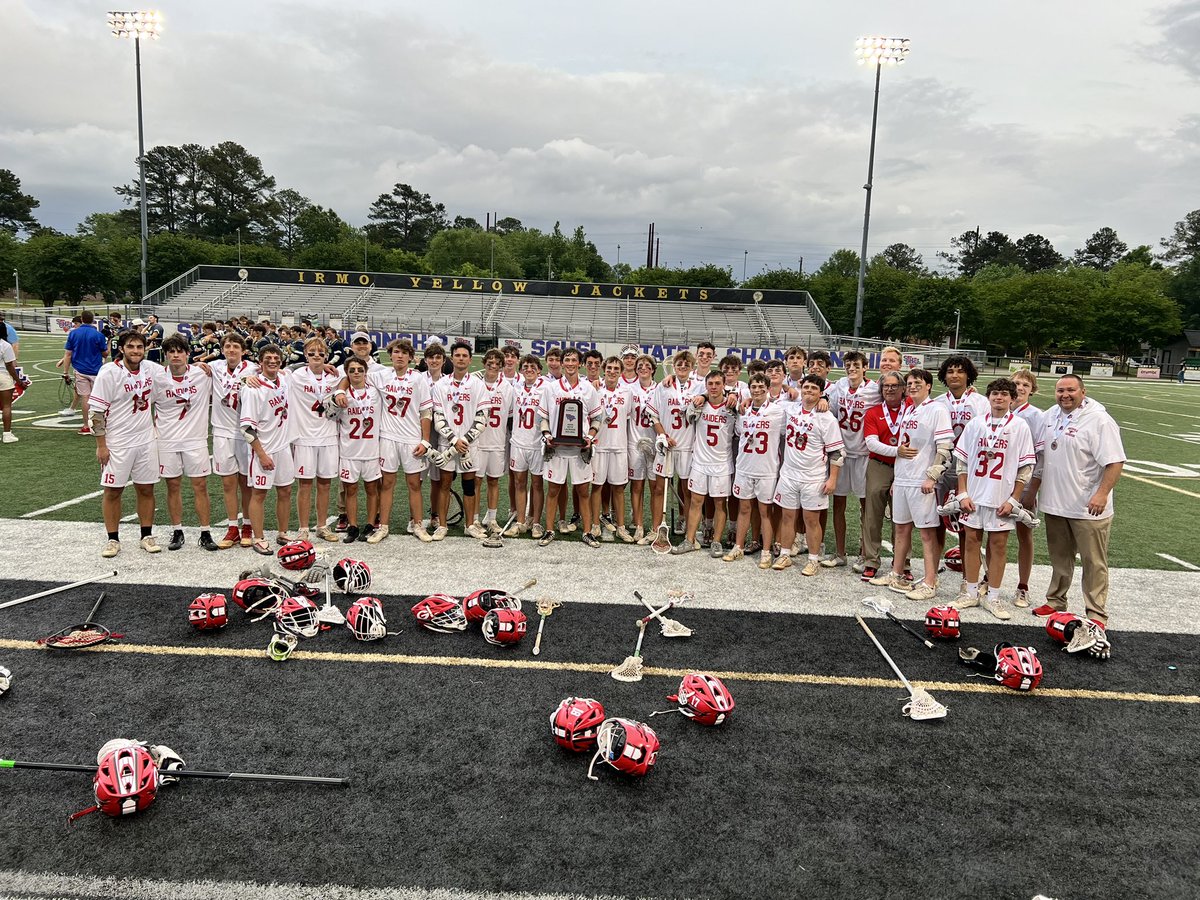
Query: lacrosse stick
<point>85,634</point>
<point>920,705</point>
<point>58,590</point>
<point>183,773</point>
<point>670,628</point>
<point>881,605</point>
<point>496,541</point>
<point>662,540</point>
<point>545,606</point>
<point>631,668</point>
<point>329,614</point>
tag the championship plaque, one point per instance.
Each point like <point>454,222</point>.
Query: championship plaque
<point>571,423</point>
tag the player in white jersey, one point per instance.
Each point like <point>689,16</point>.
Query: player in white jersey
<point>569,402</point>
<point>593,367</point>
<point>812,461</point>
<point>759,430</point>
<point>1027,386</point>
<point>512,375</point>
<point>313,434</point>
<point>629,358</point>
<point>404,445</point>
<point>849,399</point>
<point>491,453</point>
<point>512,365</point>
<point>796,364</point>
<point>459,417</point>
<point>641,442</point>
<point>435,360</point>
<point>182,395</point>
<point>230,452</point>
<point>126,447</point>
<point>996,459</point>
<point>359,408</point>
<point>610,458</point>
<point>713,414</point>
<point>264,423</point>
<point>925,442</point>
<point>525,451</point>
<point>706,354</point>
<point>673,441</point>
<point>958,374</point>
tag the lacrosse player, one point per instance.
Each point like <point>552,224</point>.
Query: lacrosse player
<point>230,452</point>
<point>641,442</point>
<point>314,436</point>
<point>264,424</point>
<point>610,462</point>
<point>435,359</point>
<point>562,462</point>
<point>796,361</point>
<point>182,395</point>
<point>668,407</point>
<point>1027,386</point>
<point>925,442</point>
<point>759,427</point>
<point>358,408</point>
<point>963,403</point>
<point>712,415</point>
<point>997,457</point>
<point>849,399</point>
<point>629,358</point>
<point>405,427</point>
<point>459,417</point>
<point>490,454</point>
<point>525,452</point>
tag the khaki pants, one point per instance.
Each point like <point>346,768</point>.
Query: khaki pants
<point>879,494</point>
<point>1089,538</point>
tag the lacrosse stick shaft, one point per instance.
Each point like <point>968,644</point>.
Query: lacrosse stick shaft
<point>95,609</point>
<point>183,773</point>
<point>537,644</point>
<point>656,613</point>
<point>526,586</point>
<point>925,641</point>
<point>879,647</point>
<point>637,650</point>
<point>58,590</point>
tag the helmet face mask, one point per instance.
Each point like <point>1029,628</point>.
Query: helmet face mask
<point>441,613</point>
<point>208,612</point>
<point>258,595</point>
<point>629,747</point>
<point>298,616</point>
<point>365,619</point>
<point>352,576</point>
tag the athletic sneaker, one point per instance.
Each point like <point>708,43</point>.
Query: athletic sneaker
<point>412,527</point>
<point>716,550</point>
<point>753,547</point>
<point>607,523</point>
<point>111,549</point>
<point>65,413</point>
<point>799,545</point>
<point>302,534</point>
<point>764,562</point>
<point>283,538</point>
<point>565,527</point>
<point>833,562</point>
<point>176,542</point>
<point>476,531</point>
<point>679,529</point>
<point>590,539</point>
<point>247,535</point>
<point>784,562</point>
<point>492,529</point>
<point>965,601</point>
<point>891,581</point>
<point>996,608</point>
<point>351,534</point>
<point>922,591</point>
<point>513,530</point>
<point>421,534</point>
<point>575,521</point>
<point>377,534</point>
<point>683,547</point>
<point>623,534</point>
<point>1021,599</point>
<point>439,533</point>
<point>10,438</point>
<point>638,534</point>
<point>537,531</point>
<point>706,534</point>
<point>546,539</point>
<point>343,522</point>
<point>365,534</point>
<point>868,572</point>
<point>812,567</point>
<point>1044,611</point>
<point>859,566</point>
<point>326,533</point>
<point>150,545</point>
<point>231,537</point>
<point>206,542</point>
<point>734,554</point>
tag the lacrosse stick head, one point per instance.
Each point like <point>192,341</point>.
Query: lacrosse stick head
<point>629,747</point>
<point>629,671</point>
<point>662,539</point>
<point>921,706</point>
<point>881,605</point>
<point>671,628</point>
<point>78,637</point>
<point>208,612</point>
<point>547,605</point>
<point>575,722</point>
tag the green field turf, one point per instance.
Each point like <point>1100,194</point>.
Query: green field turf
<point>1156,500</point>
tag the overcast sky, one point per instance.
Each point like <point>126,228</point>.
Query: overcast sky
<point>734,126</point>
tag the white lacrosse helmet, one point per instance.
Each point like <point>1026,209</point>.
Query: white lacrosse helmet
<point>297,615</point>
<point>5,679</point>
<point>365,619</point>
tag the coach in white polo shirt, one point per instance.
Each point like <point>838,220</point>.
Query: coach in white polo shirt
<point>1082,458</point>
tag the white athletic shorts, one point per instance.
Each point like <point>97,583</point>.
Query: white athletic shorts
<point>395,456</point>
<point>282,475</point>
<point>750,487</point>
<point>315,462</point>
<point>231,455</point>
<point>852,480</point>
<point>800,494</point>
<point>681,463</point>
<point>136,464</point>
<point>352,471</point>
<point>83,384</point>
<point>192,463</point>
<point>489,463</point>
<point>6,380</point>
<point>641,466</point>
<point>525,459</point>
<point>610,467</point>
<point>562,465</point>
<point>985,518</point>
<point>709,485</point>
<point>910,505</point>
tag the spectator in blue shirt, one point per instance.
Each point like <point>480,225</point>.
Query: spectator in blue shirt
<point>85,350</point>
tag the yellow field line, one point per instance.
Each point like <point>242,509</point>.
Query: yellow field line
<point>964,687</point>
<point>1165,487</point>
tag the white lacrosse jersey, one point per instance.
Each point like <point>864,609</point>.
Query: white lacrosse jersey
<point>226,391</point>
<point>498,401</point>
<point>641,418</point>
<point>964,409</point>
<point>760,437</point>
<point>922,427</point>
<point>458,401</point>
<point>124,398</point>
<point>1031,416</point>
<point>265,408</point>
<point>358,424</point>
<point>1076,450</point>
<point>808,439</point>
<point>181,408</point>
<point>712,449</point>
<point>669,405</point>
<point>405,396</point>
<point>850,405</point>
<point>526,400</point>
<point>992,450</point>
<point>307,393</point>
<point>555,392</point>
<point>614,426</point>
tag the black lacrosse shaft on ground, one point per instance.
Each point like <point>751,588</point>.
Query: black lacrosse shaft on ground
<point>183,773</point>
<point>923,640</point>
<point>95,609</point>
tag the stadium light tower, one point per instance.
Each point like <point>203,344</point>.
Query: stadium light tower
<point>138,25</point>
<point>877,52</point>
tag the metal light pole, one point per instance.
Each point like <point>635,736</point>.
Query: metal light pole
<point>957,317</point>
<point>618,263</point>
<point>745,259</point>
<point>877,52</point>
<point>17,278</point>
<point>239,231</point>
<point>138,25</point>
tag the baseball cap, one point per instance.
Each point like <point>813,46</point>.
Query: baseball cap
<point>137,322</point>
<point>360,336</point>
<point>631,350</point>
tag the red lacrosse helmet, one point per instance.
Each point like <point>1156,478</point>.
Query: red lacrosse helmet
<point>208,612</point>
<point>1061,625</point>
<point>126,781</point>
<point>441,613</point>
<point>296,556</point>
<point>942,622</point>
<point>480,603</point>
<point>297,615</point>
<point>954,560</point>
<point>1018,667</point>
<point>628,746</point>
<point>365,619</point>
<point>575,721</point>
<point>952,523</point>
<point>259,594</point>
<point>352,576</point>
<point>504,626</point>
<point>704,698</point>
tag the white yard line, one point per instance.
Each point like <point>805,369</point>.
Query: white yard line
<point>1161,412</point>
<point>1170,437</point>
<point>1165,487</point>
<point>63,505</point>
<point>1179,562</point>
